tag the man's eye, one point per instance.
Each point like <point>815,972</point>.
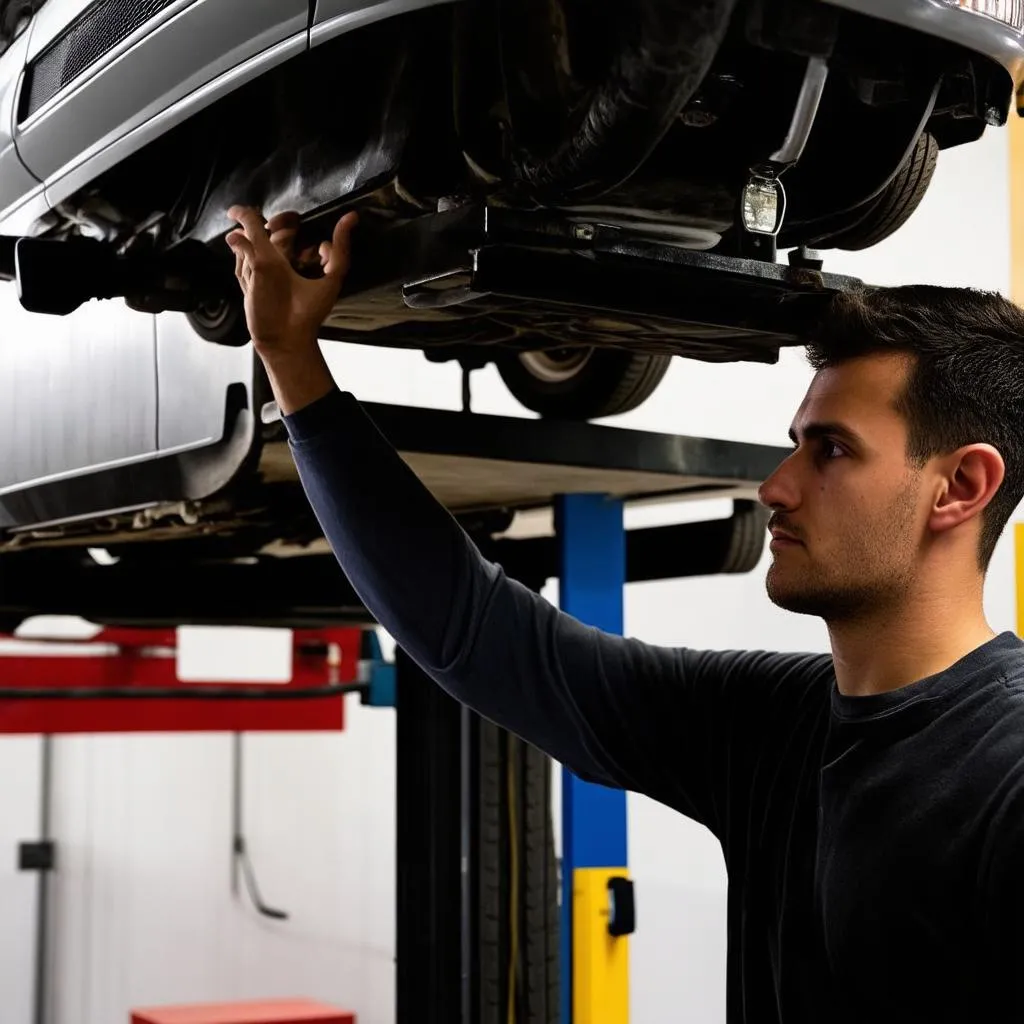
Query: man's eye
<point>831,449</point>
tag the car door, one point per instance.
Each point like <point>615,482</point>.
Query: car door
<point>77,396</point>
<point>15,181</point>
<point>103,77</point>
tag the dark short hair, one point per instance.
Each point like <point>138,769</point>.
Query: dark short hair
<point>966,385</point>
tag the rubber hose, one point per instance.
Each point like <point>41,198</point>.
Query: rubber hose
<point>668,48</point>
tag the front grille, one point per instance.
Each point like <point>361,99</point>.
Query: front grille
<point>96,32</point>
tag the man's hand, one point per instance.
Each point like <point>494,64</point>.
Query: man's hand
<point>283,309</point>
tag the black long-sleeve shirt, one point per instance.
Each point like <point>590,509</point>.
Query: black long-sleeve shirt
<point>874,845</point>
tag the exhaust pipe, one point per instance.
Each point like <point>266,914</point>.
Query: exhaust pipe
<point>668,49</point>
<point>57,276</point>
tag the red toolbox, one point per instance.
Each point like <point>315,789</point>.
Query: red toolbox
<point>266,1011</point>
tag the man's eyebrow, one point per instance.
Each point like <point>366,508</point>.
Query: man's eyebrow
<point>813,431</point>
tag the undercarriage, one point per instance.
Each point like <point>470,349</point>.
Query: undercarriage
<point>720,126</point>
<point>547,192</point>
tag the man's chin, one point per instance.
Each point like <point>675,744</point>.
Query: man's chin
<point>790,599</point>
<point>825,602</point>
<point>799,596</point>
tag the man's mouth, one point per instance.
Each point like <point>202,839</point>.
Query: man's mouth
<point>782,538</point>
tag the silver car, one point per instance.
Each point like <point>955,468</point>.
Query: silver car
<point>730,126</point>
<point>539,182</point>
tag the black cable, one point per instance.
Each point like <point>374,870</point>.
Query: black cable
<point>182,693</point>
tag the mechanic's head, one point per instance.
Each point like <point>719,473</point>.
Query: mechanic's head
<point>909,456</point>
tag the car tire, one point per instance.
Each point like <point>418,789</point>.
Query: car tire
<point>221,321</point>
<point>899,199</point>
<point>582,383</point>
<point>517,846</point>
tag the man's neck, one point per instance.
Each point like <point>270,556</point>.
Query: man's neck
<point>896,647</point>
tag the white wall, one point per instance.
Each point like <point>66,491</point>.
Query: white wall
<point>20,757</point>
<point>142,909</point>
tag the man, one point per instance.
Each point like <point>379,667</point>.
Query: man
<point>870,805</point>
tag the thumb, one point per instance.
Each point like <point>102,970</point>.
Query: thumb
<point>340,250</point>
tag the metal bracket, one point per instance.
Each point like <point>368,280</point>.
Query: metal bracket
<point>621,907</point>
<point>38,855</point>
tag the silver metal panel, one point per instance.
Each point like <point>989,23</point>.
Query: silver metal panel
<point>105,155</point>
<point>15,180</point>
<point>946,20</point>
<point>334,17</point>
<point>182,54</point>
<point>19,218</point>
<point>40,40</point>
<point>76,392</point>
<point>193,377</point>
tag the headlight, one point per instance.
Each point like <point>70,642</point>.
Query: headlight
<point>1009,12</point>
<point>763,206</point>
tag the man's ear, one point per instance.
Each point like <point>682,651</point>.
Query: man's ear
<point>971,477</point>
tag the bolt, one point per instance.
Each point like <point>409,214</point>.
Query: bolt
<point>993,116</point>
<point>446,203</point>
<point>697,118</point>
<point>583,232</point>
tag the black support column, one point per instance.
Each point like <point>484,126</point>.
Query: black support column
<point>430,944</point>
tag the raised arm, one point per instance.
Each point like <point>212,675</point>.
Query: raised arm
<point>668,722</point>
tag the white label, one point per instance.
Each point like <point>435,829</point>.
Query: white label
<point>234,654</point>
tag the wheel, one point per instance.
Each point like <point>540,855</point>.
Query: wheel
<point>899,199</point>
<point>519,922</point>
<point>221,321</point>
<point>541,990</point>
<point>582,383</point>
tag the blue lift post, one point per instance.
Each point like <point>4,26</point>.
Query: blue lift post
<point>595,965</point>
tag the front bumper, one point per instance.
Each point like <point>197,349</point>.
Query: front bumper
<point>945,20</point>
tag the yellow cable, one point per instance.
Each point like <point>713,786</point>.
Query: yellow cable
<point>513,898</point>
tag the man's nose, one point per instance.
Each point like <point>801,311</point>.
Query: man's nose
<point>779,491</point>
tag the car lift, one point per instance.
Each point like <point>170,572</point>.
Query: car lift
<point>590,281</point>
<point>584,475</point>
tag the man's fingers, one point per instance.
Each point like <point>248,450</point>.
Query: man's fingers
<point>283,240</point>
<point>282,228</point>
<point>240,245</point>
<point>287,221</point>
<point>338,254</point>
<point>253,228</point>
<point>308,257</point>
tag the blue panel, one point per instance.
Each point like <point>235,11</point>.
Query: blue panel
<point>383,682</point>
<point>596,820</point>
<point>593,559</point>
<point>378,674</point>
<point>592,576</point>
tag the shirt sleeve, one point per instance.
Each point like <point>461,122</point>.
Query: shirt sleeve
<point>682,726</point>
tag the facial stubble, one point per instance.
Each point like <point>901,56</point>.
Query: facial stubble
<point>872,571</point>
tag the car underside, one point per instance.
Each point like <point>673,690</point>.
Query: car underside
<point>537,181</point>
<point>654,117</point>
